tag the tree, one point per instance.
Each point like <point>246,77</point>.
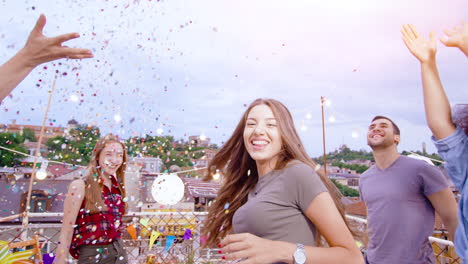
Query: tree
<point>345,190</point>
<point>29,135</point>
<point>170,152</point>
<point>346,154</point>
<point>77,147</point>
<point>11,141</point>
<point>356,167</point>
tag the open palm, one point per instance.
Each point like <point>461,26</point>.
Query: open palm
<point>424,50</point>
<point>40,48</point>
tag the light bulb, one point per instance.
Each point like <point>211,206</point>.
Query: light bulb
<point>216,176</point>
<point>41,174</point>
<point>117,118</point>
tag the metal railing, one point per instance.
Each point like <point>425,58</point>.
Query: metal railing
<point>185,248</point>
<point>444,249</point>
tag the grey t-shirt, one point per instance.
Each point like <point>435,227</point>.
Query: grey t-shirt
<point>275,207</point>
<point>399,216</point>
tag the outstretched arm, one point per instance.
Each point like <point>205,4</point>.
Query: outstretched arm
<point>436,104</point>
<point>38,49</point>
<point>458,37</point>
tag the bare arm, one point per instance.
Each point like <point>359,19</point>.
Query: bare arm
<point>323,213</point>
<point>326,217</point>
<point>445,205</point>
<point>436,104</point>
<point>458,37</point>
<point>37,50</point>
<point>71,208</point>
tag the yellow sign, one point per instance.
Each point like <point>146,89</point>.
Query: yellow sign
<point>169,226</point>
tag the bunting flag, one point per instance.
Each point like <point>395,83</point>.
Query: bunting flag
<point>203,239</point>
<point>169,242</point>
<point>188,234</point>
<point>154,236</point>
<point>132,231</point>
<point>3,249</point>
<point>144,222</point>
<point>18,256</point>
<point>48,258</point>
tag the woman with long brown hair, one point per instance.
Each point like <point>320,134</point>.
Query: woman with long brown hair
<point>92,222</point>
<point>272,206</point>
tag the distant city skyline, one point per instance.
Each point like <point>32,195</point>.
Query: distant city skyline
<point>203,140</point>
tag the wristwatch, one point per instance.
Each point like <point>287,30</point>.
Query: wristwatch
<point>299,255</point>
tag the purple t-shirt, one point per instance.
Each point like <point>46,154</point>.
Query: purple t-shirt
<point>400,218</point>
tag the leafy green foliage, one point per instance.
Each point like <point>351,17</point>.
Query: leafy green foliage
<point>356,167</point>
<point>170,152</point>
<point>29,135</point>
<point>346,154</point>
<point>77,147</point>
<point>345,190</point>
<point>11,141</point>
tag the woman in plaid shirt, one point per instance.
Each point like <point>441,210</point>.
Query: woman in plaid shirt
<point>92,223</point>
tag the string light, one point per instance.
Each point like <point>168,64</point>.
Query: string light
<point>117,118</point>
<point>74,98</point>
<point>216,176</point>
<point>41,174</point>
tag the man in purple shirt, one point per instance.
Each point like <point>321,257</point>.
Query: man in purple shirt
<point>401,195</point>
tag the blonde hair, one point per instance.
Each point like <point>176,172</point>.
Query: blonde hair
<point>236,163</point>
<point>93,184</point>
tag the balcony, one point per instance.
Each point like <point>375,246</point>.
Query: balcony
<point>184,248</point>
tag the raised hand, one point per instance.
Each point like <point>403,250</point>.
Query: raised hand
<point>424,50</point>
<point>458,37</point>
<point>40,49</point>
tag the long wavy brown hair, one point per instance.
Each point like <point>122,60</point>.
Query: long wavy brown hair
<point>93,184</point>
<point>240,173</point>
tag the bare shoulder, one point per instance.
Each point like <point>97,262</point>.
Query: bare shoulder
<point>77,187</point>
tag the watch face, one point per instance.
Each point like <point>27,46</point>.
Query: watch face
<point>299,257</point>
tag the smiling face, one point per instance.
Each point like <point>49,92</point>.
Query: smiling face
<point>262,137</point>
<point>381,134</point>
<point>111,158</point>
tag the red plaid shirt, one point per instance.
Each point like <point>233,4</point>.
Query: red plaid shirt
<point>99,228</point>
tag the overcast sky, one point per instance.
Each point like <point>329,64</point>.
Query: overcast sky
<point>190,67</point>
